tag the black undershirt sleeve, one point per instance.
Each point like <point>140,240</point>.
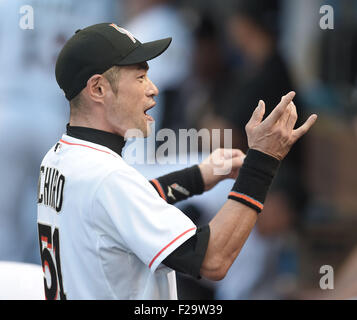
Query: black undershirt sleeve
<point>188,257</point>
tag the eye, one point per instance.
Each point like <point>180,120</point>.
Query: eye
<point>142,77</point>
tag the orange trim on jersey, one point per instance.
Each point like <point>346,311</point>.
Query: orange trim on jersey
<point>83,145</point>
<point>247,198</point>
<point>159,188</point>
<point>164,248</point>
<point>44,266</point>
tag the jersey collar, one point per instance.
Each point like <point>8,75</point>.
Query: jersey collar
<point>106,139</point>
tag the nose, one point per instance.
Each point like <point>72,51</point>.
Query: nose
<point>152,90</point>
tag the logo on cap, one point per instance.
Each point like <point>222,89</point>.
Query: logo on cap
<point>124,31</point>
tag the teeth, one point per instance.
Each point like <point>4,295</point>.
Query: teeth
<point>148,109</point>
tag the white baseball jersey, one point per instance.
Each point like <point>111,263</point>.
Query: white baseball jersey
<point>103,229</point>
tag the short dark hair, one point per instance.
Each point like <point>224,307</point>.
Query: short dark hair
<point>113,75</point>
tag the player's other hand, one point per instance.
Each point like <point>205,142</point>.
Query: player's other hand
<point>276,134</point>
<point>221,164</point>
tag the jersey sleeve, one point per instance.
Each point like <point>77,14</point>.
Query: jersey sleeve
<point>142,221</point>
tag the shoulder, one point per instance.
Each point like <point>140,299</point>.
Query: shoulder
<point>128,180</point>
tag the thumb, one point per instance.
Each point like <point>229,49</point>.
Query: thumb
<point>257,115</point>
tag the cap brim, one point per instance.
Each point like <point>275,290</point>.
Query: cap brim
<point>146,51</point>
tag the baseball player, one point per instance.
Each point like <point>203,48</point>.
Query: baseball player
<point>105,232</point>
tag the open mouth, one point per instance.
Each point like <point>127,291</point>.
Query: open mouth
<point>148,117</point>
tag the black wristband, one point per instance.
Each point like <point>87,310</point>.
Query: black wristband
<point>179,185</point>
<point>254,180</point>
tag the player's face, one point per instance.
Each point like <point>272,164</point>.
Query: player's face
<point>134,98</point>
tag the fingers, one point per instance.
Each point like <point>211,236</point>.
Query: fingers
<point>233,165</point>
<point>237,162</point>
<point>257,115</point>
<point>230,159</point>
<point>235,153</point>
<point>230,153</point>
<point>276,114</point>
<point>290,124</point>
<point>299,132</point>
<point>220,155</point>
<point>285,116</point>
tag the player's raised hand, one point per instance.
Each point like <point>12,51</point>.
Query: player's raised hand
<point>275,135</point>
<point>221,164</point>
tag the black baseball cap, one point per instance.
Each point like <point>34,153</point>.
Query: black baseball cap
<point>95,49</point>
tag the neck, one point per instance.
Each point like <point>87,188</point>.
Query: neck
<point>94,122</point>
<point>87,121</point>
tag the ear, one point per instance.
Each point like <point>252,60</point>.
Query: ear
<point>97,88</point>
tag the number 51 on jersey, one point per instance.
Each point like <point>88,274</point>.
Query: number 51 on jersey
<point>50,257</point>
